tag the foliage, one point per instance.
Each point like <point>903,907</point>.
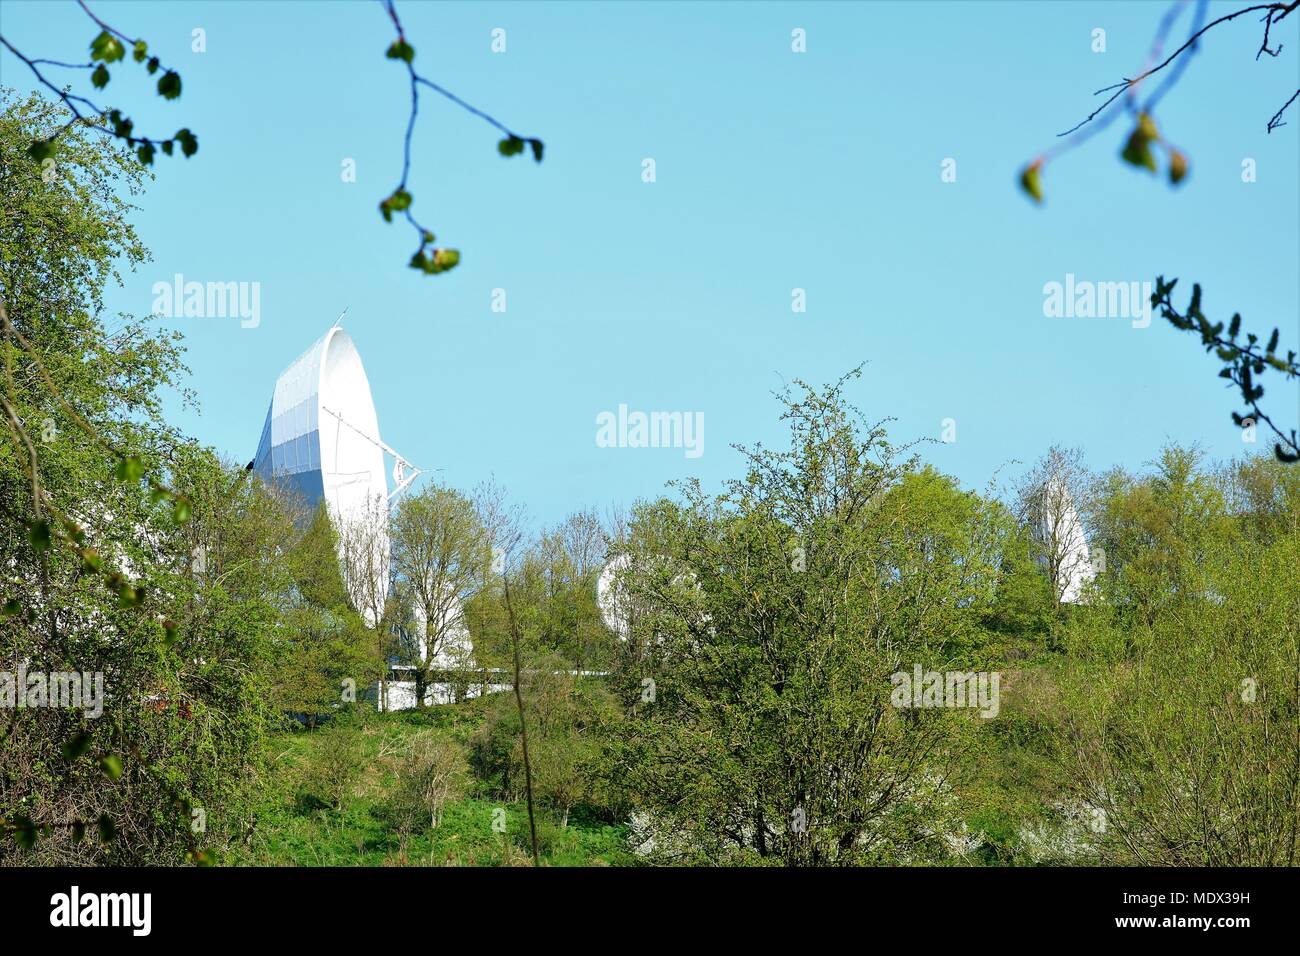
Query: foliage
<point>432,773</point>
<point>440,559</point>
<point>324,652</point>
<point>168,594</point>
<point>1243,361</point>
<point>772,618</point>
<point>568,717</point>
<point>1181,738</point>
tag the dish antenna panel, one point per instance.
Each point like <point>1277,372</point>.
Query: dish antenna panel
<point>612,598</point>
<point>321,438</point>
<point>1062,528</point>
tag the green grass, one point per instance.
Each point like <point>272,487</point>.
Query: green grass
<point>299,827</point>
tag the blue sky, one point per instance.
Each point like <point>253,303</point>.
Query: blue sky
<point>774,171</point>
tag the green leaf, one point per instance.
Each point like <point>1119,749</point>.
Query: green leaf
<point>152,65</point>
<point>397,202</point>
<point>25,832</point>
<point>401,50</point>
<point>167,146</point>
<point>1146,127</point>
<point>75,746</point>
<point>122,125</point>
<point>41,149</point>
<point>1137,151</point>
<point>140,51</point>
<point>111,765</point>
<point>169,86</point>
<point>38,533</point>
<point>537,146</point>
<point>444,259</point>
<point>106,829</point>
<point>1177,167</point>
<point>1030,181</point>
<point>12,606</point>
<point>510,146</point>
<point>189,142</point>
<point>130,469</point>
<point>99,79</point>
<point>78,831</point>
<point>181,510</point>
<point>145,152</point>
<point>107,47</point>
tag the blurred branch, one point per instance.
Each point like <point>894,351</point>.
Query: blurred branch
<point>1138,148</point>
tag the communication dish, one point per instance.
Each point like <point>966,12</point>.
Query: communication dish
<point>618,607</point>
<point>321,438</point>
<point>1063,528</point>
<point>612,598</point>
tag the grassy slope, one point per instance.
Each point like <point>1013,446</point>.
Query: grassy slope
<point>1004,788</point>
<point>296,827</point>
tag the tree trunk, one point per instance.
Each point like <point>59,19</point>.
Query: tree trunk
<point>523,726</point>
<point>421,684</point>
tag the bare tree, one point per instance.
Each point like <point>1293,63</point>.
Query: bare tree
<point>364,556</point>
<point>503,523</point>
<point>584,542</point>
<point>1048,503</point>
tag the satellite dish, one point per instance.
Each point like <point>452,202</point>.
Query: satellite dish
<point>612,598</point>
<point>321,438</point>
<point>1064,528</point>
<point>618,607</point>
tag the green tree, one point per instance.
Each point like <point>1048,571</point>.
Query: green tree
<point>1179,735</point>
<point>326,653</point>
<point>169,594</point>
<point>772,618</point>
<point>439,551</point>
<point>568,716</point>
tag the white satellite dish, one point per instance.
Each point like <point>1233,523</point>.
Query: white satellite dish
<point>612,598</point>
<point>321,438</point>
<point>1064,528</point>
<point>618,607</point>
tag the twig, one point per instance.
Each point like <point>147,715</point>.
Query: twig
<point>1275,122</point>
